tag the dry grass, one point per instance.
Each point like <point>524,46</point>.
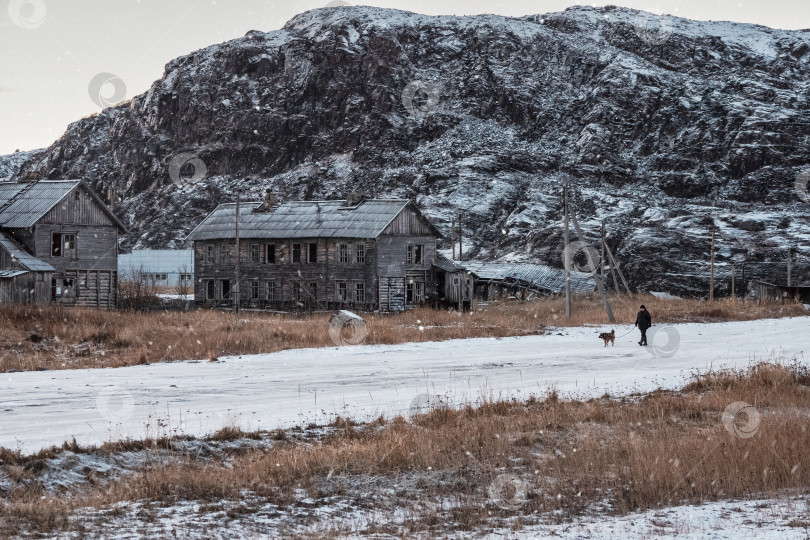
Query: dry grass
<point>614,456</point>
<point>52,337</point>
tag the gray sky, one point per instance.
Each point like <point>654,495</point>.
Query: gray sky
<point>53,49</point>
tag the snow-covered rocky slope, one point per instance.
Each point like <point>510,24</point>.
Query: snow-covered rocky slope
<point>663,127</point>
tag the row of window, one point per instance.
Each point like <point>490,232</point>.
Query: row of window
<point>272,254</point>
<point>344,292</point>
<point>304,253</point>
<point>164,277</point>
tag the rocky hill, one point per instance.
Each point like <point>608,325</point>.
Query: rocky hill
<point>663,127</point>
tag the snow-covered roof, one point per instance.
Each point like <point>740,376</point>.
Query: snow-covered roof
<point>534,275</point>
<point>23,257</point>
<point>302,219</point>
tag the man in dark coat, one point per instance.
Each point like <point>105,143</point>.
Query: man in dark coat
<point>643,321</point>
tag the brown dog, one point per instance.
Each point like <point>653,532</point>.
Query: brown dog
<point>609,338</point>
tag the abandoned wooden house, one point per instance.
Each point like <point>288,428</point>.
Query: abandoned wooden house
<point>59,242</point>
<point>364,254</point>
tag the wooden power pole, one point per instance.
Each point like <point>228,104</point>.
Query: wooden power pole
<point>460,257</point>
<point>238,258</point>
<point>789,265</point>
<point>711,275</point>
<point>566,239</point>
<point>453,237</point>
<point>595,274</point>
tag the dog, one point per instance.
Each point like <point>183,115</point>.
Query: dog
<point>609,337</point>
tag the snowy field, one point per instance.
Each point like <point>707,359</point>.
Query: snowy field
<point>298,387</point>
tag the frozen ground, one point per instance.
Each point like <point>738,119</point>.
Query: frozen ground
<point>784,518</point>
<point>297,387</point>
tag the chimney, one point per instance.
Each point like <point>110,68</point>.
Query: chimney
<point>354,198</point>
<point>270,200</point>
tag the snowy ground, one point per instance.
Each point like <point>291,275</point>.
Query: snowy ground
<point>297,387</point>
<point>784,518</point>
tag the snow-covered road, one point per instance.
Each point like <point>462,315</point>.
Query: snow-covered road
<point>300,386</point>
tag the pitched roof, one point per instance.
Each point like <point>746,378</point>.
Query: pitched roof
<point>7,274</point>
<point>302,219</point>
<point>446,264</point>
<point>535,275</point>
<point>23,257</point>
<point>23,204</point>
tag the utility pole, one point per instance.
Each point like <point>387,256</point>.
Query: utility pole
<point>595,275</point>
<point>566,237</point>
<point>732,282</point>
<point>453,237</point>
<point>743,281</point>
<point>460,257</point>
<point>711,276</point>
<point>238,258</point>
<point>602,259</point>
<point>789,265</point>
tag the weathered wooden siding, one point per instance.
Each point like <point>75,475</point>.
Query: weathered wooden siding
<point>326,272</point>
<point>79,208</point>
<point>26,288</point>
<point>92,266</point>
<point>393,268</point>
<point>408,223</point>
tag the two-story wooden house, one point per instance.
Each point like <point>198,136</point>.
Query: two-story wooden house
<point>58,242</point>
<point>359,253</point>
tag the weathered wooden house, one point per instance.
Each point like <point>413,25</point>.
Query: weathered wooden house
<point>362,254</point>
<point>59,243</point>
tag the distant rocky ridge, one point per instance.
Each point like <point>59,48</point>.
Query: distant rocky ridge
<point>665,128</point>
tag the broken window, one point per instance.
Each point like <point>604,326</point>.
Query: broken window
<point>210,290</point>
<point>271,253</point>
<point>360,253</point>
<point>254,253</point>
<point>341,291</point>
<point>56,245</point>
<point>343,253</point>
<point>313,253</point>
<point>359,292</point>
<point>415,254</point>
<point>296,253</point>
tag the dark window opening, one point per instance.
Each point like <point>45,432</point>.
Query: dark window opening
<point>313,253</point>
<point>210,290</point>
<point>409,293</point>
<point>296,253</point>
<point>271,253</point>
<point>225,286</point>
<point>343,253</point>
<point>56,245</point>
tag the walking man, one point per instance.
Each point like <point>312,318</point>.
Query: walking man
<point>643,321</point>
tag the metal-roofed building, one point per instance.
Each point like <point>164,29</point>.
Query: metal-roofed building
<point>359,253</point>
<point>161,267</point>
<point>497,279</point>
<point>63,237</point>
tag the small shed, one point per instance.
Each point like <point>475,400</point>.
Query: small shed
<point>771,292</point>
<point>23,277</point>
<point>454,283</point>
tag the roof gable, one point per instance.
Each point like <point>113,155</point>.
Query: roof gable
<point>23,204</point>
<point>301,219</point>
